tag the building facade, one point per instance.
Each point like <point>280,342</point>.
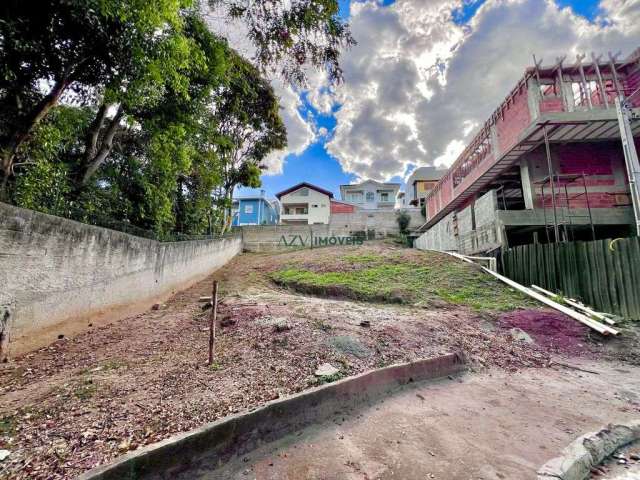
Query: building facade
<point>305,203</point>
<point>421,181</point>
<point>371,195</point>
<point>547,166</point>
<point>254,210</point>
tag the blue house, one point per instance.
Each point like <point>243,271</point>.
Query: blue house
<point>254,210</point>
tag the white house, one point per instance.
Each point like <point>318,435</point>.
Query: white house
<point>305,204</point>
<point>371,195</point>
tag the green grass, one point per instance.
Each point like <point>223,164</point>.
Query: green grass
<point>392,280</point>
<point>8,426</point>
<point>85,390</point>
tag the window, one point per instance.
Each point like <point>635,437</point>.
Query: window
<point>384,197</point>
<point>370,197</point>
<point>248,209</point>
<point>314,206</point>
<point>303,192</point>
<point>355,197</point>
<point>301,211</point>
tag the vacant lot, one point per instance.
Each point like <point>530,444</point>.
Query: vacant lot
<point>84,400</point>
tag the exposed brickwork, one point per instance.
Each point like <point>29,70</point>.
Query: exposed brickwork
<point>339,207</point>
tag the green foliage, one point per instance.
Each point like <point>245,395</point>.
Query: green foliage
<point>132,114</point>
<point>403,219</point>
<point>386,279</point>
<point>289,35</point>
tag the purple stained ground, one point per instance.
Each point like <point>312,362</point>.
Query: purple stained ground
<point>551,330</point>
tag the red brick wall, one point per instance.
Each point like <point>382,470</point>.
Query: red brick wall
<point>338,207</point>
<point>515,119</point>
<point>603,162</point>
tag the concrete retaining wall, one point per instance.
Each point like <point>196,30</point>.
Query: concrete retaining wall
<point>213,444</point>
<point>56,275</point>
<point>589,451</point>
<point>475,229</point>
<point>384,222</point>
<point>439,237</point>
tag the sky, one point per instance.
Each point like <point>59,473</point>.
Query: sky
<point>423,77</point>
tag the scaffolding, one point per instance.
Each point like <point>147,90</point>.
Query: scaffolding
<point>562,223</point>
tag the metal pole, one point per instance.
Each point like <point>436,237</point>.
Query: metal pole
<point>552,182</point>
<point>544,214</point>
<point>630,157</point>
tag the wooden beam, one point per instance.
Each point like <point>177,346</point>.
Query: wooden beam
<point>575,304</point>
<point>597,326</point>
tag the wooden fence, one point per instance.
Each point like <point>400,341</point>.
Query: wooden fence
<point>604,274</point>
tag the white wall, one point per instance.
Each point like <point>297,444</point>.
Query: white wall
<point>319,213</point>
<point>371,187</point>
<point>56,275</point>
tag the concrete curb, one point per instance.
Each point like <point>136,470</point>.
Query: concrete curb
<point>588,451</point>
<point>216,442</point>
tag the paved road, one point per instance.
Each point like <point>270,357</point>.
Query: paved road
<point>481,426</point>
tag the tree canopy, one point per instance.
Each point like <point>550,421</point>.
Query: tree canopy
<point>133,114</point>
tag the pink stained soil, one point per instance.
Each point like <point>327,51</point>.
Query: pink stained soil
<point>553,331</point>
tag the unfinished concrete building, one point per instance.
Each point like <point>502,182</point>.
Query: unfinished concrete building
<point>547,166</point>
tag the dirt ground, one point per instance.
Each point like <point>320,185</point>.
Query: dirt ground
<point>491,426</point>
<point>82,401</point>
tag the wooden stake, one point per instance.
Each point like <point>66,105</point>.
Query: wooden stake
<point>213,320</point>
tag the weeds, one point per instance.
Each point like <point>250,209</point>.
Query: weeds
<point>85,390</point>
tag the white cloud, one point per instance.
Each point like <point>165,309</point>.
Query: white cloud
<point>417,85</point>
<point>300,130</point>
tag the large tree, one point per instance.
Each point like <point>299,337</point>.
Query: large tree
<point>248,127</point>
<point>79,47</point>
<point>289,35</point>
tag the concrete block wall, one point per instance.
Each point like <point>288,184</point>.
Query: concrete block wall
<point>384,222</point>
<point>485,209</point>
<point>465,220</point>
<point>487,234</point>
<point>57,272</point>
<point>439,237</point>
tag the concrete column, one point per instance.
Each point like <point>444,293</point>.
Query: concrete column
<point>495,146</point>
<point>534,97</point>
<point>567,97</point>
<point>527,187</point>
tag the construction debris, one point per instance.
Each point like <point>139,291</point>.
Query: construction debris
<point>576,304</point>
<point>326,370</point>
<point>589,322</point>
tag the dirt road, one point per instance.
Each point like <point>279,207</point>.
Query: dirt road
<point>486,426</point>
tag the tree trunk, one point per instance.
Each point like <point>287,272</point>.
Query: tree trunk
<point>105,148</point>
<point>22,133</point>
<point>91,143</point>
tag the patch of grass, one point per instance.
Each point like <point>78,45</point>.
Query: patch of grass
<point>350,346</point>
<point>321,325</point>
<point>85,390</point>
<point>215,366</point>
<point>8,426</point>
<point>330,378</point>
<point>367,257</point>
<point>394,279</point>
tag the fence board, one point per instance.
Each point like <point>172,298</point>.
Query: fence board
<point>606,279</point>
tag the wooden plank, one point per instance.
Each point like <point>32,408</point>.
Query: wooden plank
<point>597,326</point>
<point>576,305</point>
<point>611,282</point>
<point>616,257</point>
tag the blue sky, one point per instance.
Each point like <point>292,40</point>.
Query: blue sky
<point>316,165</point>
